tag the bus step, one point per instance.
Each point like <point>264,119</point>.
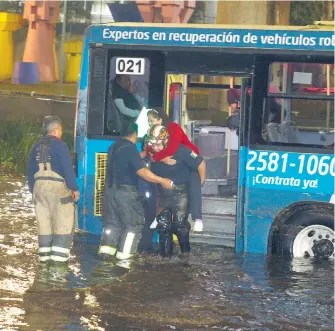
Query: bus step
<point>219,205</point>
<point>213,239</point>
<point>223,187</point>
<point>219,223</point>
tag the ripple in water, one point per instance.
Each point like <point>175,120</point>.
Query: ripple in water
<point>212,289</point>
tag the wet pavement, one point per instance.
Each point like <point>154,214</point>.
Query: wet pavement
<point>212,289</point>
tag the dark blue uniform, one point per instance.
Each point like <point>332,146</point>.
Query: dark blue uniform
<point>60,161</point>
<point>186,162</point>
<point>123,214</point>
<point>175,203</point>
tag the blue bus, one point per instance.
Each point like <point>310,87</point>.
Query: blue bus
<point>269,188</point>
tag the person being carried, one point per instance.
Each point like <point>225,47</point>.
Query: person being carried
<point>123,214</point>
<point>178,137</point>
<point>174,203</point>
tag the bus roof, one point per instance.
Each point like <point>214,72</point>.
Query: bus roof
<point>317,37</point>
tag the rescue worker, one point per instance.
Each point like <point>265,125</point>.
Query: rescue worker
<point>174,203</point>
<point>123,214</point>
<point>52,182</point>
<point>176,137</point>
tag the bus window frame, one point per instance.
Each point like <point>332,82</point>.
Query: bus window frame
<point>260,93</point>
<point>118,51</point>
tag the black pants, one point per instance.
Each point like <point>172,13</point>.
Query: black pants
<point>195,197</point>
<point>123,219</point>
<point>176,202</point>
<point>149,193</point>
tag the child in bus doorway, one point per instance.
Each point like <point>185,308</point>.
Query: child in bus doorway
<point>177,137</point>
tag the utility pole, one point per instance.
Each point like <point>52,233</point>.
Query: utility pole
<point>62,62</point>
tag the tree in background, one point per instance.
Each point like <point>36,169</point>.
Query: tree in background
<point>302,12</point>
<point>12,6</point>
<point>306,12</point>
<point>199,13</point>
<point>78,11</point>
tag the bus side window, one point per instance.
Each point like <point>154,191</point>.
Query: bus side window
<point>128,91</point>
<point>291,118</point>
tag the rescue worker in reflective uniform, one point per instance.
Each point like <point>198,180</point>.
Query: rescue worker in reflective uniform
<point>52,182</point>
<point>123,213</point>
<point>173,205</point>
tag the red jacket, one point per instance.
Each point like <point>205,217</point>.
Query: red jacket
<point>176,137</point>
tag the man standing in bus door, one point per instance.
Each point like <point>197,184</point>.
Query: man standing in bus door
<point>174,203</point>
<point>52,181</point>
<point>123,214</point>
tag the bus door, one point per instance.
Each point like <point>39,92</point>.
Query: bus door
<point>243,142</point>
<point>176,98</point>
<point>199,103</point>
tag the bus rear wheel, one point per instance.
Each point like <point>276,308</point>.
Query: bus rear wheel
<point>308,234</point>
<point>314,241</point>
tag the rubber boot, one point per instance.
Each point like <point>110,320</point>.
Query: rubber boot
<point>164,228</point>
<point>184,240</point>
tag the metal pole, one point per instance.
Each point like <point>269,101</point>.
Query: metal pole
<point>62,66</point>
<point>328,93</point>
<point>232,82</point>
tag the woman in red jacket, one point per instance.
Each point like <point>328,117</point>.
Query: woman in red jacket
<point>177,137</point>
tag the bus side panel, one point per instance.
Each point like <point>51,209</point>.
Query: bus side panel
<point>261,207</point>
<point>267,193</point>
<point>80,131</point>
<point>96,164</point>
<point>80,148</point>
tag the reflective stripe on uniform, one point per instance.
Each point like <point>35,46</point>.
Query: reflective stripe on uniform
<point>128,242</point>
<point>60,249</point>
<point>49,178</point>
<point>59,258</point>
<point>44,249</point>
<point>107,250</point>
<point>123,256</point>
<point>44,258</point>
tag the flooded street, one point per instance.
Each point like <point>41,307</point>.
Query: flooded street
<point>212,289</point>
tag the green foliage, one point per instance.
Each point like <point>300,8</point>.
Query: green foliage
<point>78,10</point>
<point>16,141</point>
<point>11,6</point>
<point>306,12</point>
<point>199,12</point>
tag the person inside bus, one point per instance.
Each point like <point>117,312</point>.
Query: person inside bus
<point>234,97</point>
<point>123,96</point>
<point>273,111</point>
<point>174,203</point>
<point>178,137</point>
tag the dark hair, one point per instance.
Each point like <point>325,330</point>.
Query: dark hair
<point>118,77</point>
<point>159,114</point>
<point>129,130</point>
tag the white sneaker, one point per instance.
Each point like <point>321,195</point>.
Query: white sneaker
<point>198,226</point>
<point>154,224</point>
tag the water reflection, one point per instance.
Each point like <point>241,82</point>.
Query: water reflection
<point>213,288</point>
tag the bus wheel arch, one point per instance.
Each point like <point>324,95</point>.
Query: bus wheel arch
<point>302,229</point>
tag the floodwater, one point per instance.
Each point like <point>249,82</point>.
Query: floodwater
<point>212,289</point>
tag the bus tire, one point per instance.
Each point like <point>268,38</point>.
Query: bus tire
<point>307,234</point>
